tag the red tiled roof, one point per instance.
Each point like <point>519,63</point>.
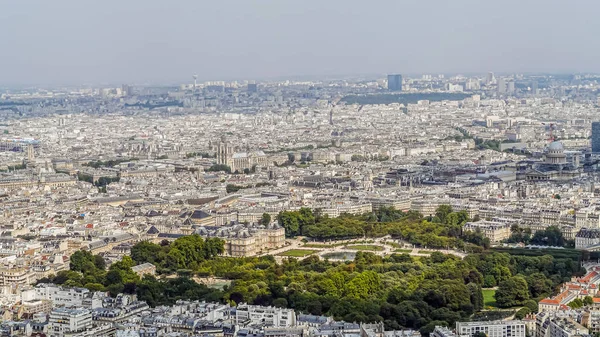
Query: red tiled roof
<point>562,295</point>
<point>589,276</point>
<point>549,301</point>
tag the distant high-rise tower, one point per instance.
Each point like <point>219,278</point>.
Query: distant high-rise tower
<point>501,86</point>
<point>490,78</point>
<point>534,88</point>
<point>252,87</point>
<point>596,137</point>
<point>126,90</point>
<point>395,82</point>
<point>510,87</point>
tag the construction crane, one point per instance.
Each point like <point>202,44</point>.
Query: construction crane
<point>550,135</point>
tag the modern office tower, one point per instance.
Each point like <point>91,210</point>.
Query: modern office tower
<point>490,78</point>
<point>252,87</point>
<point>501,86</point>
<point>596,137</point>
<point>510,87</point>
<point>395,82</point>
<point>534,88</point>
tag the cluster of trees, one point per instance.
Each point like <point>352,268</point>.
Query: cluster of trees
<point>487,144</point>
<point>155,105</point>
<point>183,256</point>
<point>167,292</point>
<point>480,143</point>
<point>101,183</point>
<point>15,167</point>
<point>219,168</point>
<point>248,170</point>
<point>361,158</point>
<point>403,98</point>
<point>200,154</point>
<point>551,236</point>
<point>578,303</point>
<point>444,230</point>
<point>400,290</point>
<point>185,253</point>
<point>358,157</point>
<point>294,222</point>
<point>529,307</point>
<point>108,163</point>
<point>465,133</point>
<point>232,188</point>
<point>227,169</point>
<point>89,271</point>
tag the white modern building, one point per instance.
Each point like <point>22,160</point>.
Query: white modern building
<point>491,328</point>
<point>268,316</point>
<point>64,321</point>
<point>61,296</point>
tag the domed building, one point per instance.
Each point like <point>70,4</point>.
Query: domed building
<point>555,165</point>
<point>555,154</point>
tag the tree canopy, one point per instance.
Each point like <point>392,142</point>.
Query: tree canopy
<point>398,289</point>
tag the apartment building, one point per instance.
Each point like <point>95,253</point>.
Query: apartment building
<point>442,331</point>
<point>587,238</point>
<point>553,324</point>
<point>17,275</point>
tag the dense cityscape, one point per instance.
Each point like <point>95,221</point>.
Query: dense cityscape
<point>441,205</point>
<point>269,168</point>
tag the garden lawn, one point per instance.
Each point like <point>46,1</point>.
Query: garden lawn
<point>488,297</point>
<point>297,252</point>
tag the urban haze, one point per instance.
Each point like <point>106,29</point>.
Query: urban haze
<point>74,42</point>
<point>299,169</point>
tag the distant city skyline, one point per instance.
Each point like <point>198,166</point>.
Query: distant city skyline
<point>69,42</point>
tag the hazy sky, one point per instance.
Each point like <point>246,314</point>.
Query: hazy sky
<point>137,41</point>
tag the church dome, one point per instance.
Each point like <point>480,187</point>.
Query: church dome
<point>555,153</point>
<point>556,146</point>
